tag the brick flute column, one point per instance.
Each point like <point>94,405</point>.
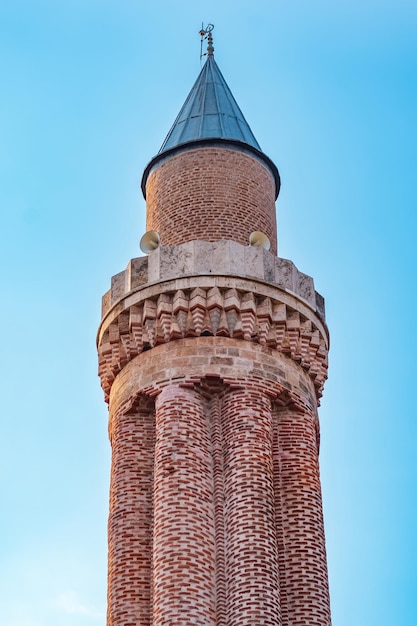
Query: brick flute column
<point>130,519</point>
<point>218,504</point>
<point>184,536</point>
<point>251,549</point>
<point>301,540</point>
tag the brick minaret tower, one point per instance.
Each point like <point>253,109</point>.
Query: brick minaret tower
<point>213,355</point>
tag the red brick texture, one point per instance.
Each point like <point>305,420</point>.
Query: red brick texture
<point>251,555</point>
<point>211,194</point>
<point>131,518</point>
<point>184,541</point>
<point>236,523</point>
<point>300,519</point>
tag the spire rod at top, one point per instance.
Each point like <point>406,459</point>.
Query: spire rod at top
<point>205,33</point>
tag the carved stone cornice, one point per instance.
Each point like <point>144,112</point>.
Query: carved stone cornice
<point>212,305</point>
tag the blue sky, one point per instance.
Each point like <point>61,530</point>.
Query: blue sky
<point>89,90</point>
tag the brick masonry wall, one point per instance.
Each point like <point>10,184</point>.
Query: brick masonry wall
<point>251,553</point>
<point>184,541</point>
<point>237,492</point>
<point>131,518</point>
<point>303,570</point>
<point>211,194</point>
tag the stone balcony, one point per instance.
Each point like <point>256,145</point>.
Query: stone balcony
<point>222,258</point>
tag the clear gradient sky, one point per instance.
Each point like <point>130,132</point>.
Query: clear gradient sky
<point>89,90</point>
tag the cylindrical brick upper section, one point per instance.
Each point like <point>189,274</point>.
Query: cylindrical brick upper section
<point>211,193</point>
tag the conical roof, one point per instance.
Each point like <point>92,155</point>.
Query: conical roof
<point>209,112</point>
<point>210,115</point>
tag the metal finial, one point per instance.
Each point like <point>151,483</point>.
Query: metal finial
<point>205,33</point>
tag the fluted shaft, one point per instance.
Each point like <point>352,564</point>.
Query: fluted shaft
<point>131,519</point>
<point>184,535</point>
<point>303,568</point>
<point>251,549</point>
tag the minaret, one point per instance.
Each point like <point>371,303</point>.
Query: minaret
<point>212,357</point>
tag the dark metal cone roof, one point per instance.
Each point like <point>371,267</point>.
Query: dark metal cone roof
<point>209,112</point>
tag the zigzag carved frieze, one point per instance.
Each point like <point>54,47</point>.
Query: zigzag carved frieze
<point>211,312</point>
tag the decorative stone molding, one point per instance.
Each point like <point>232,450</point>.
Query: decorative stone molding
<point>210,305</point>
<point>227,258</point>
